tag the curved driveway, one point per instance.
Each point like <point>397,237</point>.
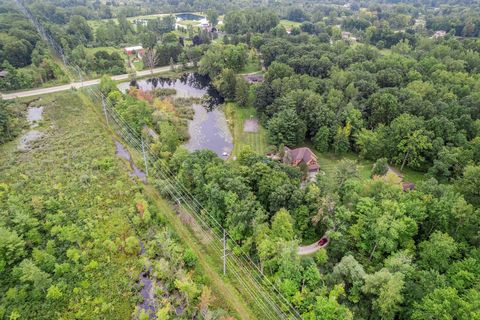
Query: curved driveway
<point>312,248</point>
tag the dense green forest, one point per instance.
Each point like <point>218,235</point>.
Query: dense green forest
<point>393,84</point>
<point>24,58</point>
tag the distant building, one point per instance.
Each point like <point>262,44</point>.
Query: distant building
<point>136,50</point>
<point>253,78</point>
<point>347,36</point>
<point>439,34</point>
<point>204,24</point>
<point>295,157</point>
<point>3,73</point>
<point>142,22</point>
<point>407,186</point>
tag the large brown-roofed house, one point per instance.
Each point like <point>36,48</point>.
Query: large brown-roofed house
<point>297,156</point>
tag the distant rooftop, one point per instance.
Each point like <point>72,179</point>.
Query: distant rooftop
<point>134,48</point>
<point>253,78</point>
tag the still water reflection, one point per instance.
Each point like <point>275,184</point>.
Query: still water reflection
<point>208,129</point>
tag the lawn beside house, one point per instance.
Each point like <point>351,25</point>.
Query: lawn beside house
<point>289,23</point>
<point>328,162</point>
<point>253,64</point>
<point>236,117</point>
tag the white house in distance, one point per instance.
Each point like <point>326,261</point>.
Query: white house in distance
<point>347,36</point>
<point>142,22</point>
<point>138,51</point>
<point>439,34</point>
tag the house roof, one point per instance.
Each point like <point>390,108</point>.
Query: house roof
<point>301,154</point>
<point>406,186</point>
<point>3,73</point>
<point>136,48</point>
<point>253,78</point>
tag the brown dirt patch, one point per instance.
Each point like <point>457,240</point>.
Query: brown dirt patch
<point>250,125</point>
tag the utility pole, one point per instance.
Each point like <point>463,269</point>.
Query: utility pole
<point>80,75</point>
<point>144,157</point>
<point>224,252</point>
<point>105,109</point>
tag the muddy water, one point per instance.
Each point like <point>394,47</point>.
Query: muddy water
<point>123,153</point>
<point>34,115</point>
<point>209,128</point>
<point>148,303</point>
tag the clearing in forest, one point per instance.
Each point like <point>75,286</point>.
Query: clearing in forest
<point>246,129</point>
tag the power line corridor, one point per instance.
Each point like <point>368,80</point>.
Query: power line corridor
<point>267,300</point>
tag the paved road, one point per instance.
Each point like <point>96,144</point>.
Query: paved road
<point>76,85</point>
<point>314,247</point>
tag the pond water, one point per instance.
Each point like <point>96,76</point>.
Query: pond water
<point>209,128</point>
<point>189,16</point>
<point>123,153</point>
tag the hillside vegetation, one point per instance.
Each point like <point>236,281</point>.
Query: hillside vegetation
<point>76,231</point>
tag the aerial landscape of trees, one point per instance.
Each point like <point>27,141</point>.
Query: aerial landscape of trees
<point>24,59</point>
<point>384,94</point>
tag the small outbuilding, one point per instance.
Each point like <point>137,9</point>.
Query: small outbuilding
<point>253,78</point>
<point>136,50</point>
<point>347,36</point>
<point>439,34</point>
<point>407,186</point>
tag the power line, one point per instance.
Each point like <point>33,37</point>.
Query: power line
<point>258,287</point>
<point>130,137</point>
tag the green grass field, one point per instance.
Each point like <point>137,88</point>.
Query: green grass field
<point>95,23</point>
<point>186,23</point>
<point>138,65</point>
<point>110,50</point>
<point>236,117</point>
<point>328,162</point>
<point>289,24</point>
<point>74,163</point>
<point>253,66</point>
